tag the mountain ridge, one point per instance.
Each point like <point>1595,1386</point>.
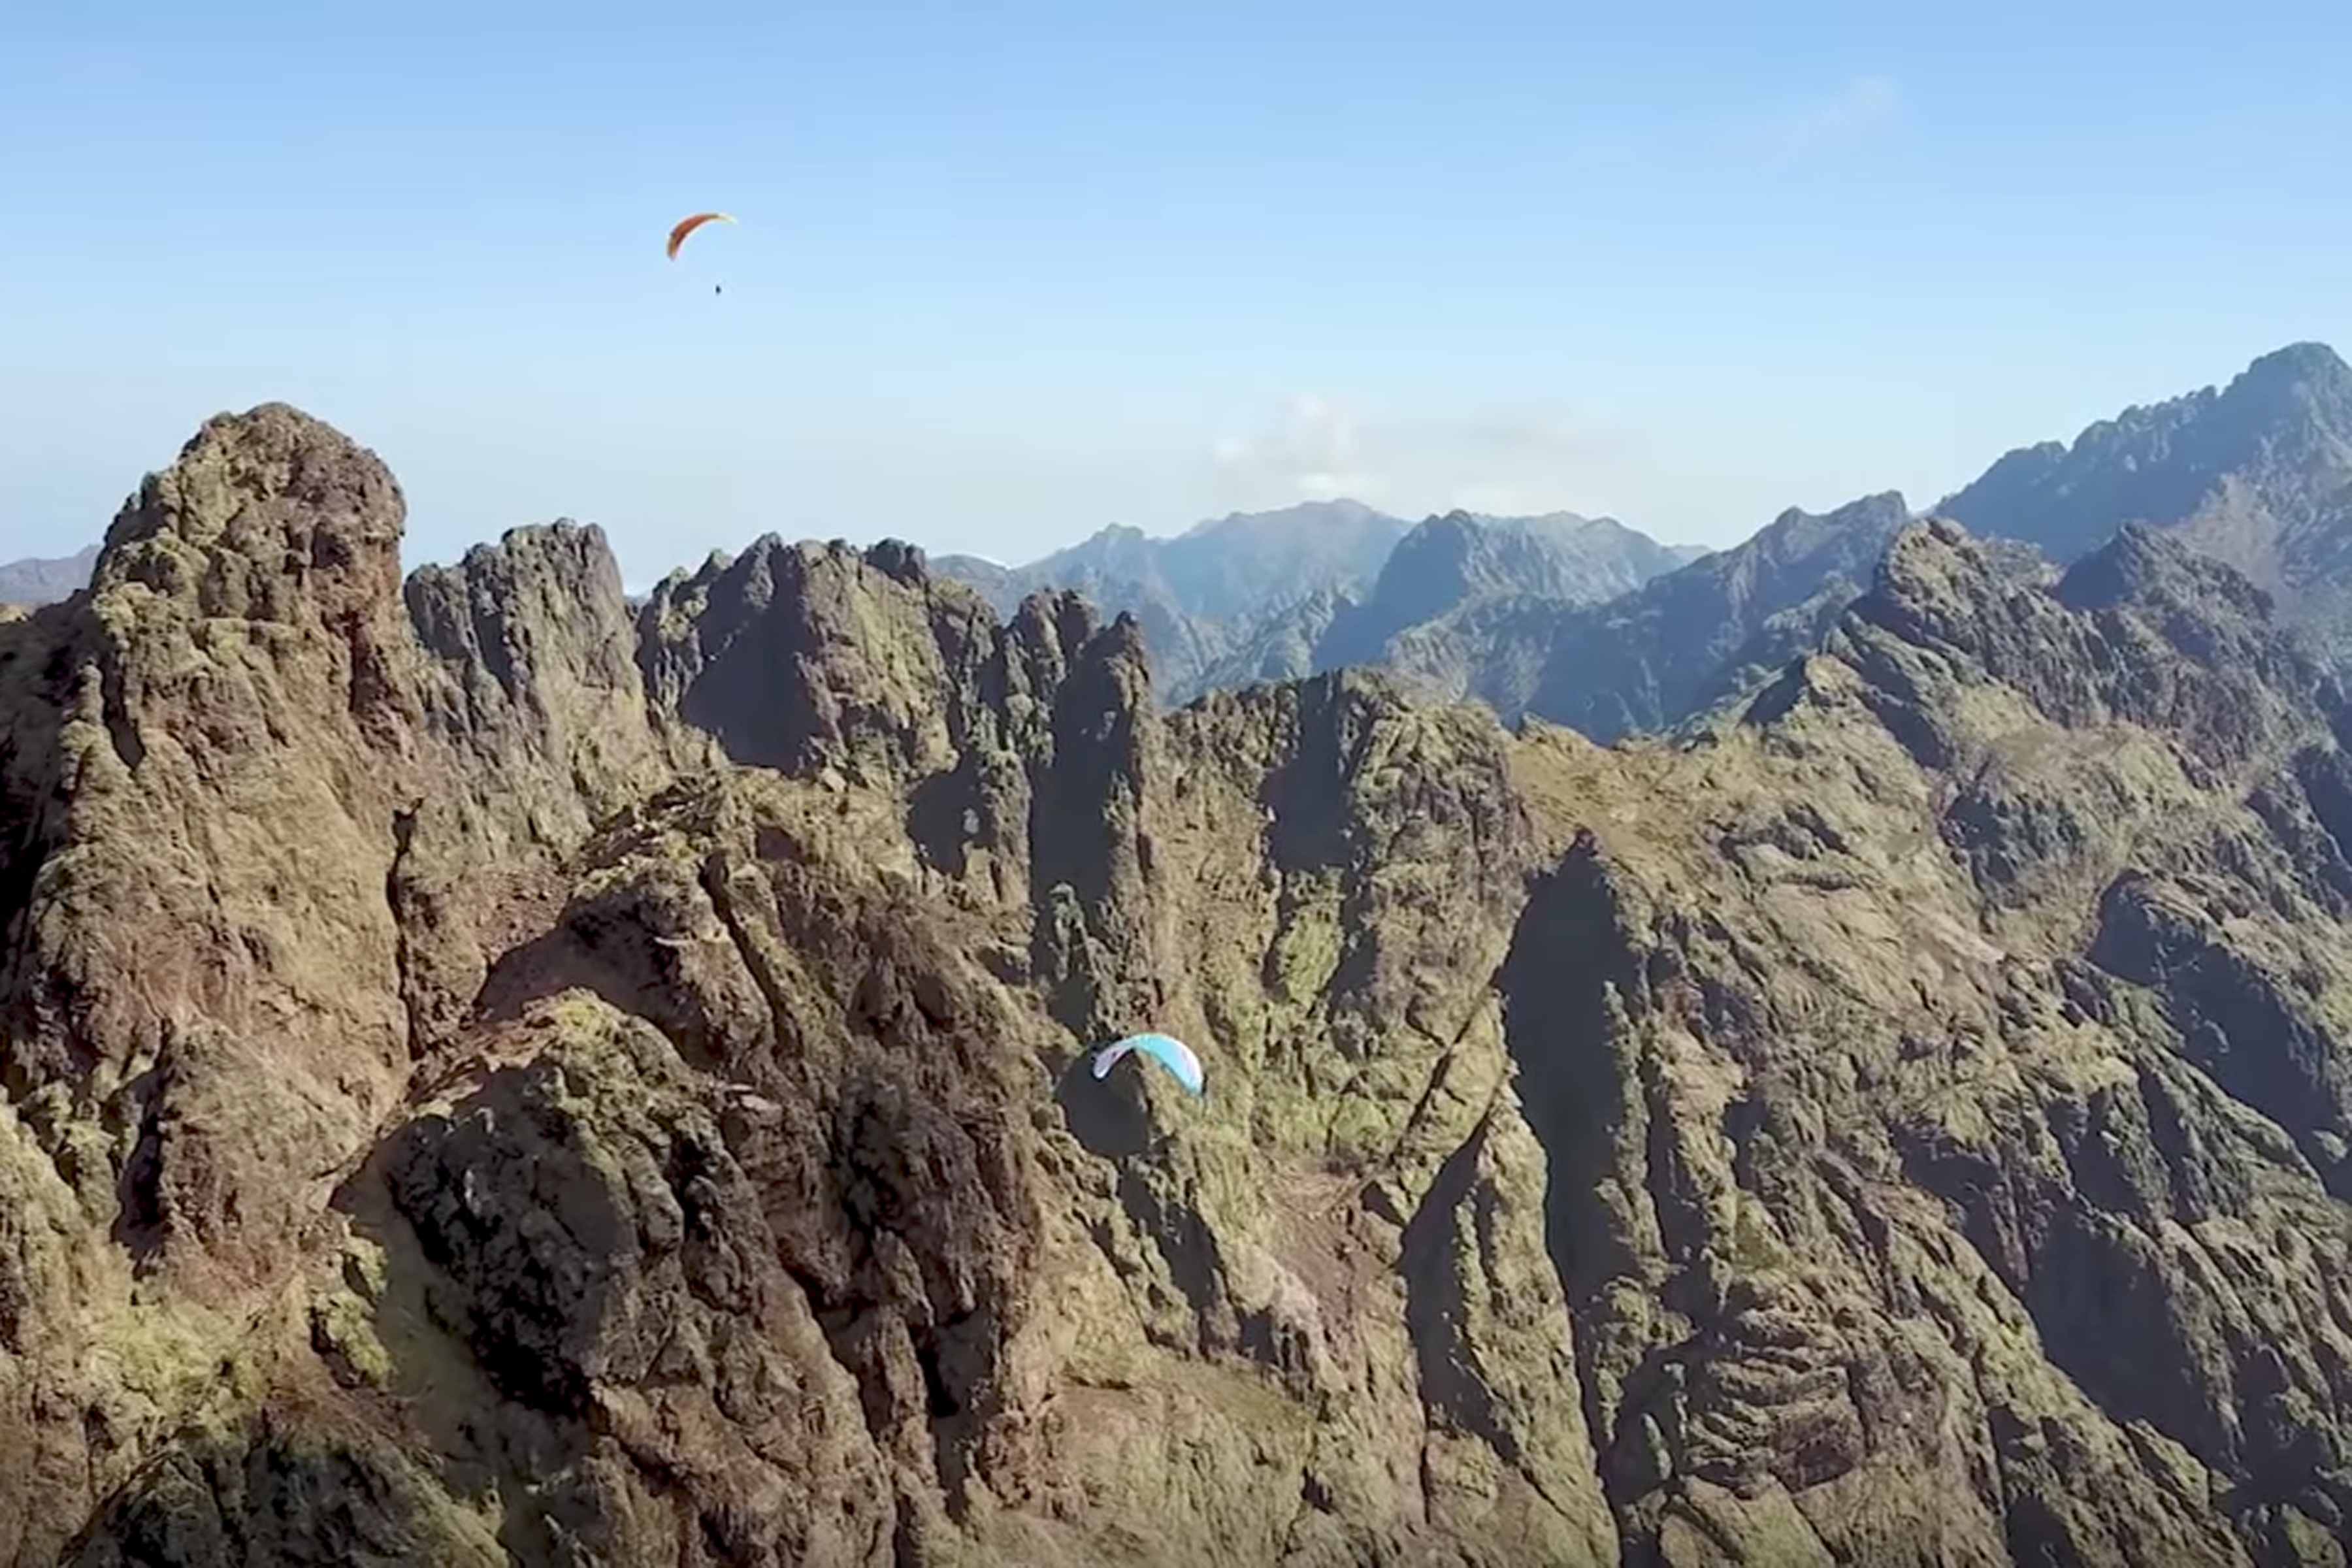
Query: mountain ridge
<point>2257,472</point>
<point>1517,612</point>
<point>1899,1120</point>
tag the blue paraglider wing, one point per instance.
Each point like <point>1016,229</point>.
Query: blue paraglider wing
<point>1170,1052</point>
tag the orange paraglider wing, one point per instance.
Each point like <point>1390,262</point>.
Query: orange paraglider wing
<point>687,225</point>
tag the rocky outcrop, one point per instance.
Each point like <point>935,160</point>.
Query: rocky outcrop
<point>492,1079</point>
<point>250,872</point>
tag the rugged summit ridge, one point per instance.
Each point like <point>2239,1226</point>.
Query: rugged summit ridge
<point>2257,474</point>
<point>2252,471</point>
<point>489,1078</point>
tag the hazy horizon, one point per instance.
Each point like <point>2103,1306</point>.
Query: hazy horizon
<point>1002,281</point>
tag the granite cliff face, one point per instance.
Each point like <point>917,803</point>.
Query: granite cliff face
<point>492,1080</point>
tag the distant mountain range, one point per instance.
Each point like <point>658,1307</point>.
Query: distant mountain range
<point>1203,593</point>
<point>2257,473</point>
<point>1593,623</point>
<point>45,582</point>
<point>1268,595</point>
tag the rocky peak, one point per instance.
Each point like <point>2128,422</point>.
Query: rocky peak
<point>2146,567</point>
<point>1935,583</point>
<point>768,653</point>
<point>1119,550</point>
<point>493,608</point>
<point>225,756</point>
<point>1460,590</point>
<point>260,508</point>
<point>2309,372</point>
<point>208,753</point>
<point>2285,419</point>
<point>1441,560</point>
<point>1575,560</point>
<point>1868,521</point>
<point>806,656</point>
<point>271,516</point>
<point>537,681</point>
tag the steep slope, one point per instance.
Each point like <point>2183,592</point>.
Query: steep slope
<point>42,581</point>
<point>1946,1138</point>
<point>1904,1122</point>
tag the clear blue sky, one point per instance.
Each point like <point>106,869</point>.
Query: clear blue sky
<point>1007,272</point>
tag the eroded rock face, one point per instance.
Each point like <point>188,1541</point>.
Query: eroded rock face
<point>1929,1184</point>
<point>492,1079</point>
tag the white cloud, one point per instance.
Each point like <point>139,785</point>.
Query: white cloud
<point>1322,449</point>
<point>1501,499</point>
<point>1544,438</point>
<point>1315,453</point>
<point>1865,104</point>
